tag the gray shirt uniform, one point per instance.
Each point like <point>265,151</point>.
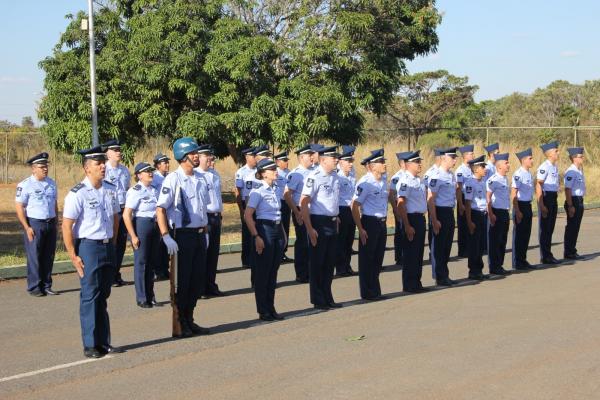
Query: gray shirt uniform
<point>497,185</point>
<point>443,183</point>
<point>250,182</point>
<point>213,185</point>
<point>280,182</point>
<point>548,174</point>
<point>193,197</point>
<point>38,197</point>
<point>413,189</point>
<point>92,210</point>
<point>395,179</point>
<point>142,200</point>
<point>372,196</point>
<point>523,182</point>
<point>295,182</point>
<point>475,191</point>
<point>120,177</point>
<point>239,178</point>
<point>431,171</point>
<point>463,172</point>
<point>266,202</point>
<point>575,181</point>
<point>324,192</point>
<point>347,184</point>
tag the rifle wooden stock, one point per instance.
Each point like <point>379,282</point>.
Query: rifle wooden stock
<point>173,266</point>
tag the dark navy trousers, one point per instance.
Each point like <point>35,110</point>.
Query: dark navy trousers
<point>441,244</point>
<point>546,225</point>
<point>413,250</point>
<point>285,221</point>
<point>346,234</point>
<point>191,267</point>
<point>370,256</point>
<point>398,241</point>
<point>497,236</point>
<point>40,254</point>
<point>98,276</point>
<point>267,265</point>
<point>322,259</point>
<point>476,240</point>
<point>161,262</point>
<point>120,246</point>
<point>462,231</point>
<point>301,259</point>
<point>143,273</point>
<point>246,241</point>
<point>573,225</point>
<point>212,252</point>
<point>520,234</point>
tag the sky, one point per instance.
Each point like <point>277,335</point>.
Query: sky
<point>502,46</point>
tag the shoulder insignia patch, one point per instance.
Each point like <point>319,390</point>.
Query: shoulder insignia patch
<point>76,188</point>
<point>432,182</point>
<point>19,190</point>
<point>517,178</point>
<point>256,185</point>
<point>469,189</point>
<point>542,171</point>
<point>248,184</point>
<point>110,183</point>
<point>359,190</point>
<point>459,174</point>
<point>137,187</point>
<point>289,177</point>
<point>165,190</point>
<point>403,186</point>
<point>310,182</point>
<point>394,181</point>
<point>569,178</point>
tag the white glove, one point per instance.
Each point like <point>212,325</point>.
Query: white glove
<point>171,244</point>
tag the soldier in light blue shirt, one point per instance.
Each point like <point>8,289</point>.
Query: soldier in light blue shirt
<point>498,199</point>
<point>250,166</point>
<point>36,208</point>
<point>437,159</point>
<point>490,167</point>
<point>463,172</point>
<point>161,267</point>
<point>118,175</point>
<point>347,227</point>
<point>412,206</point>
<point>161,164</point>
<point>90,219</point>
<point>181,216</point>
<point>393,199</point>
<point>263,216</point>
<point>522,194</point>
<point>369,210</point>
<point>319,206</point>
<point>476,215</point>
<point>291,195</point>
<point>139,217</point>
<point>546,192</point>
<point>574,182</point>
<point>282,161</point>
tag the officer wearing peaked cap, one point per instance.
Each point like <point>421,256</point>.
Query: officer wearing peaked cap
<point>369,210</point>
<point>522,194</point>
<point>476,216</point>
<point>90,221</point>
<point>393,198</point>
<point>412,206</point>
<point>347,228</point>
<point>498,200</point>
<point>118,175</point>
<point>36,211</point>
<point>248,167</point>
<point>161,165</point>
<point>161,264</point>
<point>490,167</point>
<point>546,192</point>
<point>437,156</point>
<point>463,172</point>
<point>282,161</point>
<point>574,182</point>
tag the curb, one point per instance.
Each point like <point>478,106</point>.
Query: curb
<point>64,266</point>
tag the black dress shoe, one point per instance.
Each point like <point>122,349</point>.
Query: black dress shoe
<point>161,277</point>
<point>422,289</point>
<point>550,261</point>
<point>198,330</point>
<point>333,304</point>
<point>285,259</point>
<point>276,316</point>
<point>37,293</point>
<point>573,256</point>
<point>216,293</point>
<point>92,352</point>
<point>51,292</point>
<point>155,303</point>
<point>444,282</point>
<point>108,349</point>
<point>412,290</point>
<point>302,280</point>
<point>144,304</point>
<point>246,267</point>
<point>266,317</point>
<point>321,307</point>
<point>119,282</point>
<point>499,271</point>
<point>376,298</point>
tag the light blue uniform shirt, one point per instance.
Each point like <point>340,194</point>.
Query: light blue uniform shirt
<point>250,182</point>
<point>324,192</point>
<point>142,200</point>
<point>295,182</point>
<point>213,184</point>
<point>194,193</point>
<point>239,176</point>
<point>347,184</point>
<point>575,181</point>
<point>475,191</point>
<point>497,185</point>
<point>38,197</point>
<point>372,196</point>
<point>395,179</point>
<point>280,182</point>
<point>523,182</point>
<point>120,177</point>
<point>429,173</point>
<point>266,202</point>
<point>463,172</point>
<point>490,169</point>
<point>548,174</point>
<point>157,180</point>
<point>92,210</point>
<point>413,189</point>
<point>443,184</point>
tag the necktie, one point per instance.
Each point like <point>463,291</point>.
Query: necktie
<point>185,215</point>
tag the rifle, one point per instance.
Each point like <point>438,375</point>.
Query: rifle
<point>173,269</point>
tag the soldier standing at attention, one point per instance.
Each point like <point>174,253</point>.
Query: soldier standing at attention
<point>36,208</point>
<point>463,172</point>
<point>393,199</point>
<point>441,201</point>
<point>430,172</point>
<point>490,167</point>
<point>347,226</point>
<point>269,238</point>
<point>522,194</point>
<point>282,161</point>
<point>369,210</point>
<point>574,193</point>
<point>214,212</point>
<point>412,206</point>
<point>118,175</point>
<point>181,212</point>
<point>321,192</point>
<point>139,216</point>
<point>546,192</point>
<point>292,195</point>
<point>90,219</point>
<point>250,166</point>
<point>161,264</point>
<point>476,214</point>
<point>498,201</point>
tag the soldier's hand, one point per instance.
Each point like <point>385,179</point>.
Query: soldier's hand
<point>544,211</point>
<point>471,227</point>
<point>492,219</point>
<point>313,235</point>
<point>436,225</point>
<point>135,242</point>
<point>519,217</point>
<point>571,211</point>
<point>30,234</point>
<point>410,233</point>
<point>78,264</point>
<point>260,244</point>
<point>171,244</point>
<point>363,236</point>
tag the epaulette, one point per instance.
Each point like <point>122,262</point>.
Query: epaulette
<point>137,187</point>
<point>76,188</point>
<point>110,183</point>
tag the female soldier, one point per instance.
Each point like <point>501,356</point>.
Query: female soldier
<point>268,236</point>
<point>139,217</point>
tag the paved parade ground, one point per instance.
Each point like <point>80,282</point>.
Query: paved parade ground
<point>533,335</point>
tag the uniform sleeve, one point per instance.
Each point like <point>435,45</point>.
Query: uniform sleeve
<point>310,186</point>
<point>254,199</point>
<point>22,194</point>
<point>126,178</point>
<point>204,191</point>
<point>167,193</point>
<point>294,180</point>
<point>460,178</point>
<point>542,173</point>
<point>361,193</point>
<point>73,206</point>
<point>516,182</point>
<point>569,179</point>
<point>132,200</point>
<point>468,191</point>
<point>239,179</point>
<point>488,186</point>
<point>434,185</point>
<point>402,188</point>
<point>115,203</point>
<point>394,183</point>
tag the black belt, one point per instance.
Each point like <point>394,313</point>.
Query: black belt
<point>382,219</point>
<point>215,214</point>
<point>550,193</point>
<point>524,202</point>
<point>47,220</point>
<point>193,230</point>
<point>324,217</point>
<point>417,214</point>
<point>268,222</point>
<point>98,241</point>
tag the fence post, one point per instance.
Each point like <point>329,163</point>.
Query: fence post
<point>6,158</point>
<point>574,137</point>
